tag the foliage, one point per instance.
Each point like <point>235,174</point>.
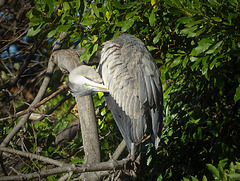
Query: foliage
<point>221,172</point>
<point>196,46</point>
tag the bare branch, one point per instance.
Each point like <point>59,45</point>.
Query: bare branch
<point>119,150</point>
<point>103,166</point>
<point>23,67</point>
<point>39,96</point>
<point>68,59</point>
<point>33,108</point>
<point>32,156</point>
<point>89,132</point>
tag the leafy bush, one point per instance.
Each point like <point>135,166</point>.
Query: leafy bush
<point>196,45</point>
<point>221,172</point>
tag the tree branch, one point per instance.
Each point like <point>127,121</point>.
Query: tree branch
<point>13,81</point>
<point>83,168</point>
<point>39,96</point>
<point>32,156</point>
<point>33,108</point>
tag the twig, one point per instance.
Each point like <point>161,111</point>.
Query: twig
<point>56,106</point>
<point>103,166</point>
<point>17,38</point>
<point>23,67</point>
<point>32,108</point>
<point>39,96</point>
<point>119,150</point>
<point>31,156</point>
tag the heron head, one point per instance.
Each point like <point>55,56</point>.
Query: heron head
<point>84,80</point>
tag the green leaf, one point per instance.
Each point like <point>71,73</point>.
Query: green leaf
<point>149,159</point>
<point>177,3</point>
<point>214,171</point>
<point>95,9</point>
<point>234,176</point>
<point>185,20</point>
<point>194,178</point>
<point>40,125</point>
<point>62,28</point>
<point>130,14</point>
<point>176,61</point>
<point>66,6</point>
<point>222,163</point>
<point>117,5</point>
<point>237,94</point>
<point>213,63</point>
<point>100,95</point>
<point>127,25</point>
<point>152,18</point>
<point>203,45</point>
<point>77,160</point>
<point>196,64</point>
<point>103,111</point>
<point>84,55</point>
<point>193,23</point>
<point>87,22</point>
<point>52,33</point>
<point>213,2</point>
<point>36,21</point>
<point>108,15</point>
<point>32,32</point>
<point>50,6</point>
<point>77,5</point>
<point>189,31</point>
<point>185,179</point>
<point>190,11</point>
<point>160,178</point>
<point>60,126</point>
<point>95,47</point>
<point>212,49</point>
<point>205,65</point>
<point>204,178</point>
<point>177,74</point>
<point>185,61</point>
<point>150,48</point>
<point>157,38</point>
<point>217,19</point>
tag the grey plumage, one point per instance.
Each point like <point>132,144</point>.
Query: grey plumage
<point>133,80</point>
<point>133,83</point>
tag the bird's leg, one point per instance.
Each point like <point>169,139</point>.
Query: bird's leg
<point>132,152</point>
<point>132,156</point>
<point>138,159</point>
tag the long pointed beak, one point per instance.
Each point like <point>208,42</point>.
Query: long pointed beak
<point>99,88</point>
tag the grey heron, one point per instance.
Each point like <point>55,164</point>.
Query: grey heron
<point>128,73</point>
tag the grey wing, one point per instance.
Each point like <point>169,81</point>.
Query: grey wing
<point>134,98</point>
<point>151,95</point>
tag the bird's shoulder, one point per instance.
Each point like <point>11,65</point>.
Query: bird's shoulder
<point>131,76</point>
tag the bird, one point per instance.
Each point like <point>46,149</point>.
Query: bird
<point>130,79</point>
<point>83,80</point>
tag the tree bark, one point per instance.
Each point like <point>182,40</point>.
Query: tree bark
<point>89,134</point>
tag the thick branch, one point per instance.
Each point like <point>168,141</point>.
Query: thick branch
<point>89,132</point>
<point>89,129</point>
<point>67,60</point>
<point>103,166</point>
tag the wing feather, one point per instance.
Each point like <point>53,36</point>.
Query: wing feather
<point>135,99</point>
